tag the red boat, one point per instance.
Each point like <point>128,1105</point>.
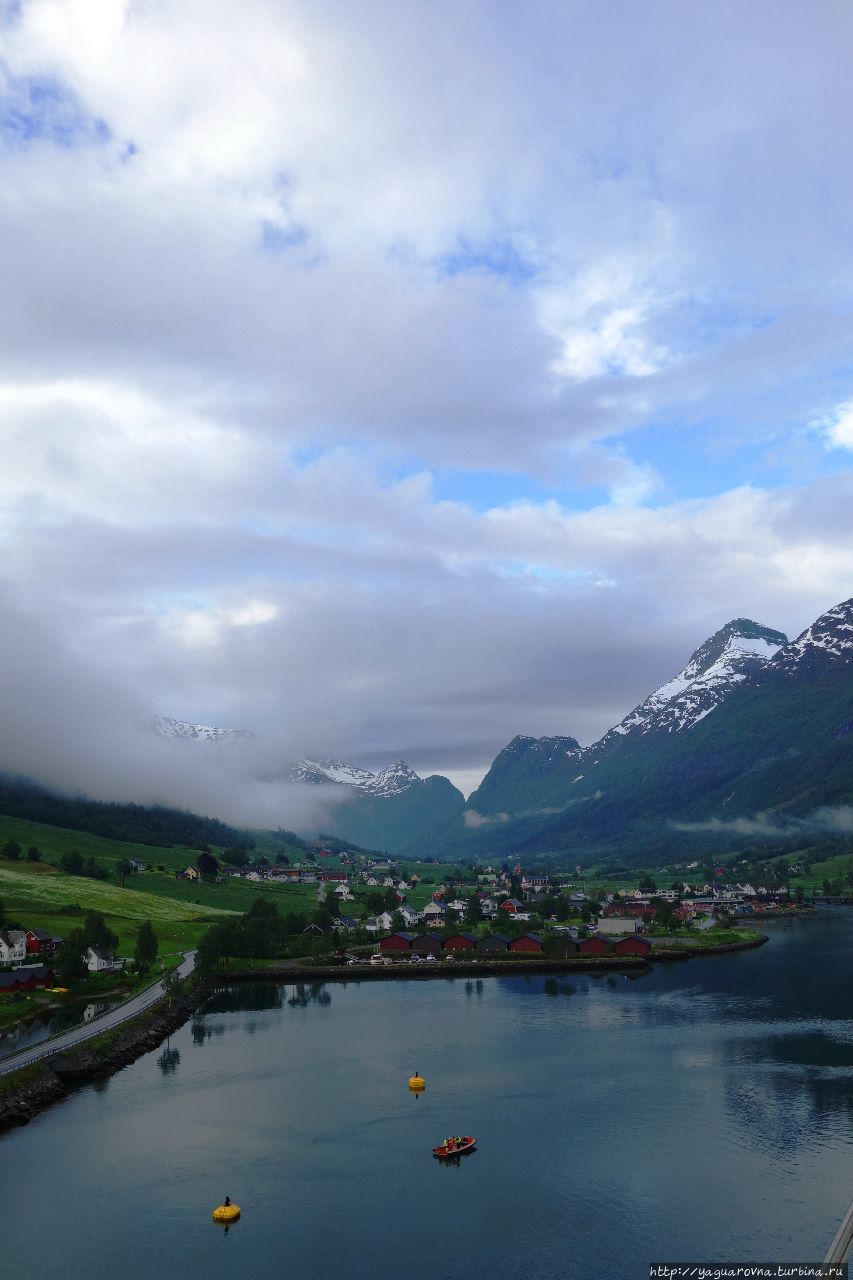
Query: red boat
<point>454,1147</point>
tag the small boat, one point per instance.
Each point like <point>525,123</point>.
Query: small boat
<point>454,1147</point>
<point>226,1213</point>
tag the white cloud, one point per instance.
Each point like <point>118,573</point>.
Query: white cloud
<point>837,427</point>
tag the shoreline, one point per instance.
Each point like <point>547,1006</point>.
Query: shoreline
<point>26,1093</point>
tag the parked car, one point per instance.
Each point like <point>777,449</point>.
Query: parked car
<point>378,958</point>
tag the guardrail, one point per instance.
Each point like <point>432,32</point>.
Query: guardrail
<point>72,1044</point>
<point>840,1246</point>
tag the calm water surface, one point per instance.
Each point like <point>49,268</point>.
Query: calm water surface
<point>704,1111</point>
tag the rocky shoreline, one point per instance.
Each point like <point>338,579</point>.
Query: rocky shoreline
<point>25,1093</point>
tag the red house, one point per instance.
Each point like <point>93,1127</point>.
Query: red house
<point>594,945</point>
<point>397,942</point>
<point>460,942</point>
<point>40,943</point>
<point>511,905</point>
<point>527,942</point>
<point>38,975</point>
<point>633,946</point>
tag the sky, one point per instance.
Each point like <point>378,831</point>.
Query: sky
<point>390,379</point>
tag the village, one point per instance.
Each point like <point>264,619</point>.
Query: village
<point>506,909</point>
<point>425,911</point>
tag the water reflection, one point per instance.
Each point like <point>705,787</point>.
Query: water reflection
<point>169,1060</point>
<point>312,993</point>
<point>246,997</point>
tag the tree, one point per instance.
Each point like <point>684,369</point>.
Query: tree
<point>473,912</point>
<point>648,883</point>
<point>70,958</point>
<point>170,982</point>
<point>207,865</point>
<point>11,849</point>
<point>72,863</point>
<point>145,951</point>
<point>34,853</point>
<point>2,912</point>
<point>375,902</point>
<point>97,933</point>
<point>124,868</point>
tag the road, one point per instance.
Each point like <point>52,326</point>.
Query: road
<point>105,1022</point>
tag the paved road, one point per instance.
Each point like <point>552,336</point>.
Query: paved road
<point>78,1035</point>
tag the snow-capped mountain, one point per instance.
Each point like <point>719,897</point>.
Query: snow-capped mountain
<point>393,781</point>
<point>183,731</point>
<point>829,639</point>
<point>734,653</point>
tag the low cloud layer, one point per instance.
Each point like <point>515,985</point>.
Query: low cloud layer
<point>832,819</point>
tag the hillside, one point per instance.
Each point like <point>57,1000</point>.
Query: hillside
<point>753,738</point>
<point>150,825</point>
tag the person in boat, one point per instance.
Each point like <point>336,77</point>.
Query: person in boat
<point>227,1201</point>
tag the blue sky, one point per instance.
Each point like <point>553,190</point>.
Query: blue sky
<point>392,380</point>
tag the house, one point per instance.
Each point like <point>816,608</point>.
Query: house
<point>314,930</point>
<point>100,960</point>
<point>493,942</point>
<point>512,906</point>
<point>137,865</point>
<point>434,911</point>
<point>39,943</point>
<point>618,924</point>
<point>410,916</point>
<point>456,905</point>
<point>427,944</point>
<point>594,945</point>
<point>343,894</point>
<point>347,922</point>
<point>385,920</point>
<point>460,942</point>
<point>528,942</point>
<point>37,975</point>
<point>188,873</point>
<point>633,946</point>
<point>13,946</point>
<point>397,942</point>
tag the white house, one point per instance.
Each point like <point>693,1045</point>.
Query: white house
<point>343,894</point>
<point>456,905</point>
<point>410,916</point>
<point>99,960</point>
<point>13,946</point>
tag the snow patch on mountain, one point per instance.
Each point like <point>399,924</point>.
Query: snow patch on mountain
<point>184,731</point>
<point>829,637</point>
<point>392,781</point>
<point>729,657</point>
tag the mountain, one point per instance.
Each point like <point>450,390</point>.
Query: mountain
<point>733,654</point>
<point>393,781</point>
<point>751,726</point>
<point>392,810</point>
<point>183,731</point>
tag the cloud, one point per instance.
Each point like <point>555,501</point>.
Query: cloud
<point>271,282</point>
<point>836,819</point>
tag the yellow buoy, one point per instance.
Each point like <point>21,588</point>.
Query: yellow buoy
<point>417,1083</point>
<point>226,1213</point>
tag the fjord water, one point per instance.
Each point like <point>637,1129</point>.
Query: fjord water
<point>703,1111</point>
